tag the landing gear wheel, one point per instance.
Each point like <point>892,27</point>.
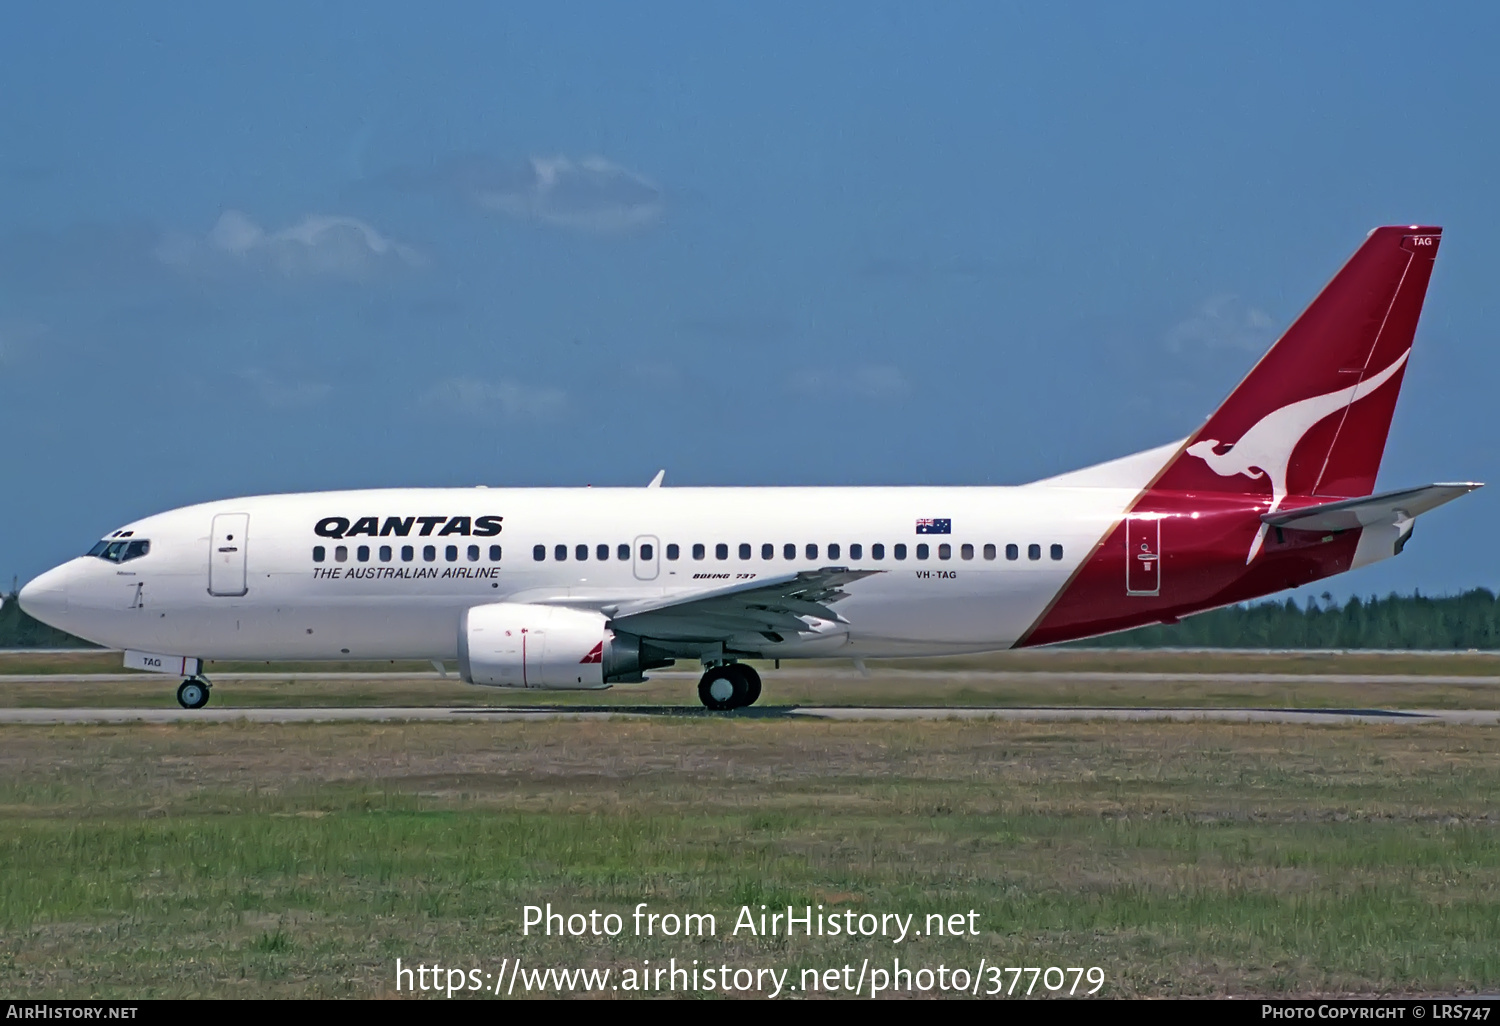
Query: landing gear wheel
<point>751,680</point>
<point>192,693</point>
<point>722,688</point>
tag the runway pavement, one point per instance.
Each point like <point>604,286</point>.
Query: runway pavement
<point>558,712</point>
<point>866,710</point>
<point>834,673</point>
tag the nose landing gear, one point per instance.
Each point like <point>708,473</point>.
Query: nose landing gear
<point>729,686</point>
<point>193,693</point>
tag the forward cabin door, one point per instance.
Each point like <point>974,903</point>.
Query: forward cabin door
<point>226,554</point>
<point>1143,555</point>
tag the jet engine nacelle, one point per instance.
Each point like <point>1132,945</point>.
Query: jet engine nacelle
<point>515,645</point>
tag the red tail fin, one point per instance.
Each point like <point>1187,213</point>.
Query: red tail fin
<point>1312,416</point>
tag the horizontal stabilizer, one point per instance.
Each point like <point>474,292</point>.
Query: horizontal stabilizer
<point>1387,508</point>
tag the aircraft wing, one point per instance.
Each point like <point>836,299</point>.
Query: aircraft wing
<point>1386,508</point>
<point>773,605</point>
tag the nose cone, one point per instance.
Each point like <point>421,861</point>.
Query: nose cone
<point>46,597</point>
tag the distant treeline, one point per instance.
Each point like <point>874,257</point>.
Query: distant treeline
<point>17,630</point>
<point>1470,620</point>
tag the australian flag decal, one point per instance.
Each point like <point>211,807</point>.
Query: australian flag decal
<point>929,526</point>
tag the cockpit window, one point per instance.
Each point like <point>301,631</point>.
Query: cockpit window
<point>121,550</point>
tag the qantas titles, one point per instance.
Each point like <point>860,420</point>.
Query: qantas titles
<point>401,527</point>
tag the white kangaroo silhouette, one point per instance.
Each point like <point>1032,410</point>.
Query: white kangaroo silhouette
<point>1266,449</point>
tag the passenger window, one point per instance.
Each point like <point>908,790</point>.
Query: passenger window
<point>1033,551</point>
<point>899,550</point>
<point>966,551</point>
<point>622,552</point>
<point>429,552</point>
<point>473,553</point>
<point>673,551</point>
<point>1011,552</point>
<point>744,550</point>
<point>768,551</point>
<point>318,553</point>
<point>539,552</point>
<point>494,553</point>
<point>812,550</point>
<point>362,553</point>
<point>945,551</point>
<point>699,551</point>
<point>341,553</point>
<point>601,552</point>
<point>1057,552</point>
<point>647,552</point>
<point>408,553</point>
<point>922,550</point>
<point>833,550</point>
<point>989,551</point>
<point>877,551</point>
<point>385,553</point>
<point>789,551</point>
<point>721,551</point>
<point>581,553</point>
<point>560,552</point>
<point>450,553</point>
<point>856,551</point>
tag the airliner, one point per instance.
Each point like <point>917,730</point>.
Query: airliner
<point>576,588</point>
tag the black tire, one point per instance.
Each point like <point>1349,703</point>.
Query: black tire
<point>751,680</point>
<point>714,681</point>
<point>192,693</point>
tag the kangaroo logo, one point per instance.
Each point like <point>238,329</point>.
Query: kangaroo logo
<point>1266,449</point>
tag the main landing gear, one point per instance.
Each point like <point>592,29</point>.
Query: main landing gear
<point>193,693</point>
<point>729,686</point>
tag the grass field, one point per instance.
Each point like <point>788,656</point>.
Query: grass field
<point>265,860</point>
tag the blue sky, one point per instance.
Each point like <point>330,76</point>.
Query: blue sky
<point>304,246</point>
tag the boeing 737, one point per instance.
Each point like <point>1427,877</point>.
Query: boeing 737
<point>588,587</point>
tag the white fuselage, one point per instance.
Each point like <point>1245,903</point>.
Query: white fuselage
<point>276,601</point>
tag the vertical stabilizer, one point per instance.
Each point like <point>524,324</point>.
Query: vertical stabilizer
<point>1311,418</point>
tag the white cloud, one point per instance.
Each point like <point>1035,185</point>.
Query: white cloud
<point>482,400</point>
<point>879,382</point>
<point>589,195</point>
<point>871,381</point>
<point>317,246</point>
<point>1223,322</point>
<point>280,393</point>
